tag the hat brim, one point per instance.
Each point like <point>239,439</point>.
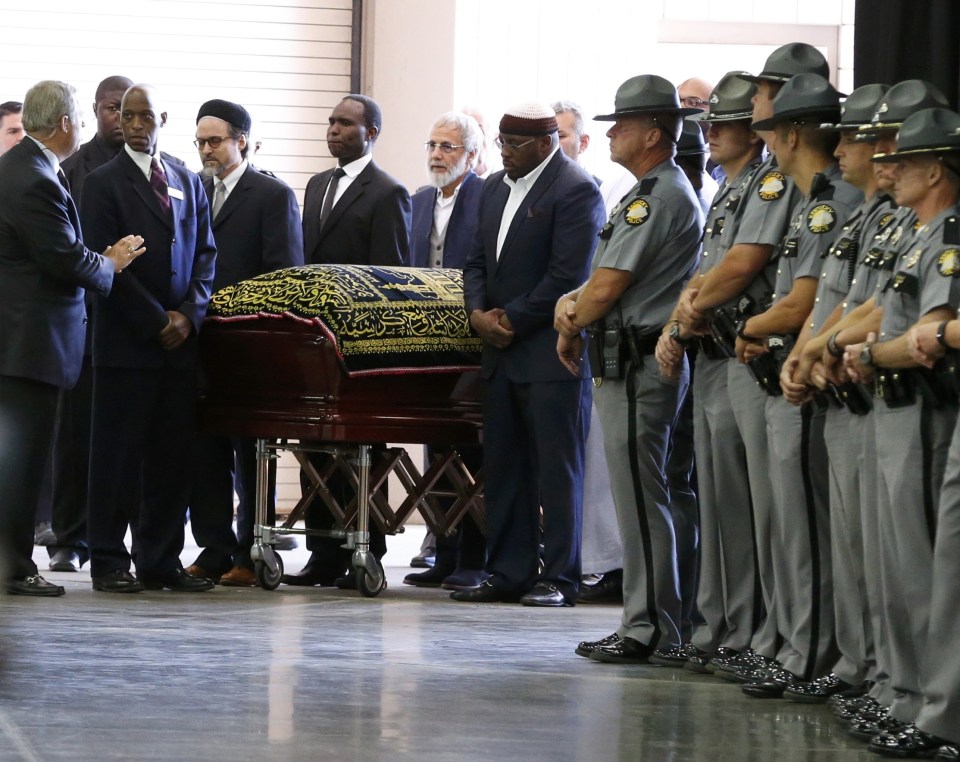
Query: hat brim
<point>733,116</point>
<point>758,78</point>
<point>889,158</point>
<point>684,112</point>
<point>840,127</point>
<point>828,116</point>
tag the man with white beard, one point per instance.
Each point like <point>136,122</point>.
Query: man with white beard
<point>445,216</point>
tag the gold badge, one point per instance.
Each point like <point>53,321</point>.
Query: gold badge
<point>885,220</point>
<point>914,258</point>
<point>637,212</point>
<point>821,219</point>
<point>949,263</point>
<point>897,235</point>
<point>772,186</point>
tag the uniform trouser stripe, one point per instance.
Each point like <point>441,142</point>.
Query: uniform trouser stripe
<point>815,570</point>
<point>634,450</point>
<point>926,439</point>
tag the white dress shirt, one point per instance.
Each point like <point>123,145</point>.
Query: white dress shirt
<point>518,191</point>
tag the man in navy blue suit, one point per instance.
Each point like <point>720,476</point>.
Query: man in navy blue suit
<point>145,355</point>
<point>445,214</point>
<point>44,267</point>
<point>539,220</point>
<point>256,226</point>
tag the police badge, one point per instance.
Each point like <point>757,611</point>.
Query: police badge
<point>637,212</point>
<point>821,219</point>
<point>948,264</point>
<point>772,186</point>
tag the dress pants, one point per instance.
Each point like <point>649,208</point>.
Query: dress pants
<point>601,550</point>
<point>638,414</point>
<point>729,593</point>
<point>534,435</point>
<point>28,412</point>
<point>211,502</point>
<point>143,424</point>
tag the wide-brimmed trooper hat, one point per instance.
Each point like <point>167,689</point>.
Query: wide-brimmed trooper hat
<point>646,94</point>
<point>902,101</point>
<point>859,107</point>
<point>691,142</point>
<point>789,60</point>
<point>730,101</point>
<point>805,98</point>
<point>931,131</point>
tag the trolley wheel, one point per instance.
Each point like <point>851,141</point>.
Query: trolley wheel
<point>366,584</point>
<point>265,578</point>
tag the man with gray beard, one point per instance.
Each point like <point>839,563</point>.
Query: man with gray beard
<point>445,214</point>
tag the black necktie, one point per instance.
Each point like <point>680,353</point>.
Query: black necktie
<point>63,181</point>
<point>331,192</point>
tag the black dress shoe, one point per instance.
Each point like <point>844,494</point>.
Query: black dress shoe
<point>33,585</point>
<point>609,589</point>
<point>948,753</point>
<point>117,581</point>
<point>672,657</point>
<point>846,709</point>
<point>816,691</point>
<point>772,686</point>
<point>865,730</point>
<point>484,593</point>
<point>178,581</point>
<point>720,657</point>
<point>430,578</point>
<point>697,660</point>
<point>312,574</point>
<point>909,743</point>
<point>587,647</point>
<point>545,594</point>
<point>65,560</point>
<point>624,651</point>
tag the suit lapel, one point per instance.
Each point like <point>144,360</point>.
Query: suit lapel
<point>350,195</point>
<point>141,186</point>
<point>533,195</point>
<point>235,199</point>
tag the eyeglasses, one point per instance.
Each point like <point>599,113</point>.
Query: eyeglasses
<point>499,143</point>
<point>447,148</point>
<point>692,101</point>
<point>214,142</point>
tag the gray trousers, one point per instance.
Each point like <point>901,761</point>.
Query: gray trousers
<point>601,550</point>
<point>728,596</point>
<point>940,713</point>
<point>749,405</point>
<point>912,446</point>
<point>801,539</point>
<point>637,414</point>
<point>842,432</point>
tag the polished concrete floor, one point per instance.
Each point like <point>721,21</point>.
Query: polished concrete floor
<point>319,674</point>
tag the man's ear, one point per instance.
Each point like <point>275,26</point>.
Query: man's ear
<point>163,118</point>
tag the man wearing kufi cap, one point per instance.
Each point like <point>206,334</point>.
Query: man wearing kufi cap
<point>726,598</point>
<point>915,417</point>
<point>256,226</point>
<point>648,248</point>
<point>847,279</point>
<point>800,539</point>
<point>537,229</point>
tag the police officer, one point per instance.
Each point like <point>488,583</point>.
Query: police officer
<point>915,414</point>
<point>801,538</point>
<point>648,250</point>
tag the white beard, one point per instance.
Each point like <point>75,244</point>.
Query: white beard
<point>443,179</point>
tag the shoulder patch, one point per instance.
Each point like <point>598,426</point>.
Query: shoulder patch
<point>821,219</point>
<point>949,263</point>
<point>772,186</point>
<point>636,212</point>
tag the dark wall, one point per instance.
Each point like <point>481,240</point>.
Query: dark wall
<point>908,39</point>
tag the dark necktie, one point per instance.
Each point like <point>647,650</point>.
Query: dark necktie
<point>331,192</point>
<point>63,181</point>
<point>158,181</point>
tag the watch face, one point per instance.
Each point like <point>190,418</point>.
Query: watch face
<point>866,356</point>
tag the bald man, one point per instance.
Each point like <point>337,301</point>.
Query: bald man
<point>145,354</point>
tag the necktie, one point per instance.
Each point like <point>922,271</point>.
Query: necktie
<point>158,181</point>
<point>63,181</point>
<point>331,192</point>
<point>219,195</point>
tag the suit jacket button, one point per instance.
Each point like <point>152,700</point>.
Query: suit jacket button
<point>173,273</point>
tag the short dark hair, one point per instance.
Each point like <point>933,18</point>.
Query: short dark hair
<point>372,116</point>
<point>110,84</point>
<point>10,107</point>
<point>236,133</point>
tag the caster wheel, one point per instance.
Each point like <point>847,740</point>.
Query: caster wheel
<point>368,587</point>
<point>267,579</point>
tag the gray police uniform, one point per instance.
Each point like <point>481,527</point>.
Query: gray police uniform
<point>801,532</point>
<point>912,441</point>
<point>766,207</point>
<point>653,233</point>
<point>728,594</point>
<point>843,433</point>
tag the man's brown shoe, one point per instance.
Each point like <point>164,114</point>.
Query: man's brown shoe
<point>201,571</point>
<point>239,576</point>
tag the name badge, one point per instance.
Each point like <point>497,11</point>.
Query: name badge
<point>175,193</point>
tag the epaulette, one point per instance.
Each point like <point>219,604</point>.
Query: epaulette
<point>646,186</point>
<point>821,189</point>
<point>951,230</point>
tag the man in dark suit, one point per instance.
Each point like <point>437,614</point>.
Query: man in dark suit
<point>70,457</point>
<point>11,125</point>
<point>354,214</point>
<point>445,216</point>
<point>538,226</point>
<point>145,355</point>
<point>44,267</point>
<point>256,226</point>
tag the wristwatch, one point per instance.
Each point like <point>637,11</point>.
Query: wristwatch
<point>942,334</point>
<point>741,325</point>
<point>675,335</point>
<point>866,356</point>
<point>832,349</point>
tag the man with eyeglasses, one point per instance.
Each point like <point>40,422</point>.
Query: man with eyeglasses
<point>145,354</point>
<point>538,224</point>
<point>256,227</point>
<point>444,222</point>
